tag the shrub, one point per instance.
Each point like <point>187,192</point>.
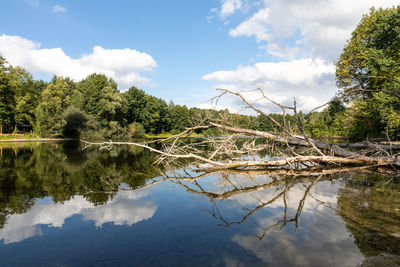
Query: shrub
<point>136,130</point>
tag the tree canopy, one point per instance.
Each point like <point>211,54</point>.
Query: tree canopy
<point>7,100</point>
<point>368,72</point>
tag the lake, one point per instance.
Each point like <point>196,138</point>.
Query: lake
<point>61,206</point>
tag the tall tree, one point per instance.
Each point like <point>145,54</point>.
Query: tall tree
<point>136,102</point>
<point>150,111</point>
<point>7,100</point>
<point>180,117</point>
<point>27,95</point>
<point>368,70</point>
<point>54,101</point>
<point>100,98</point>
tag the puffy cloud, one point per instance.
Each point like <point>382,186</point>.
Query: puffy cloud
<point>125,209</point>
<point>256,25</point>
<point>325,241</point>
<point>307,36</point>
<point>304,71</point>
<point>319,27</point>
<point>214,106</point>
<point>59,8</point>
<point>123,65</point>
<point>309,80</point>
<point>229,7</point>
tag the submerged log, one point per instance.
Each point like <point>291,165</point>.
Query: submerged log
<point>300,141</point>
<point>334,148</point>
<point>290,161</point>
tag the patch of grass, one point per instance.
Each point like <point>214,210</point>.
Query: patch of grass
<point>18,136</point>
<point>166,135</point>
<point>162,135</point>
<point>13,136</point>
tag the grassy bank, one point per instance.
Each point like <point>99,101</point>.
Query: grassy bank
<point>29,137</point>
<point>18,136</point>
<point>166,135</point>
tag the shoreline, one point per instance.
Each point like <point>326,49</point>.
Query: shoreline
<point>18,140</point>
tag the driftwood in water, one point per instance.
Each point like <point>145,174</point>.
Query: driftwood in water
<point>304,159</point>
<point>226,152</point>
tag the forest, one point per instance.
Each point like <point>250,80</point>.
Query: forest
<point>366,105</point>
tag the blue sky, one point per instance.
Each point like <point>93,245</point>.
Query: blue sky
<point>186,49</point>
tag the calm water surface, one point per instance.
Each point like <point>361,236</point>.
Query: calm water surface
<point>60,205</point>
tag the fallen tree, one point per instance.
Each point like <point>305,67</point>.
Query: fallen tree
<point>237,148</point>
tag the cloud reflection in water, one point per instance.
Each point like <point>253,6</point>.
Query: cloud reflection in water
<point>321,236</point>
<point>126,208</point>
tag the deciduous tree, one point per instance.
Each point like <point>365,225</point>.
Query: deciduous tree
<point>368,70</point>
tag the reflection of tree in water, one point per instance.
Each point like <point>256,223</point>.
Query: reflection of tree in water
<point>370,207</point>
<point>368,203</point>
<point>279,186</point>
<point>61,171</point>
<point>16,195</point>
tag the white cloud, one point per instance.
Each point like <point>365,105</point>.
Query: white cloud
<point>256,25</point>
<point>123,65</point>
<point>321,26</point>
<point>125,209</point>
<point>229,7</point>
<point>309,80</point>
<point>59,8</point>
<point>307,36</point>
<point>214,106</point>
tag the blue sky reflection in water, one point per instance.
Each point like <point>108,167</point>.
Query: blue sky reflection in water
<point>164,225</point>
<point>217,220</point>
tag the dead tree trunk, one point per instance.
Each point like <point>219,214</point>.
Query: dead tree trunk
<point>225,152</point>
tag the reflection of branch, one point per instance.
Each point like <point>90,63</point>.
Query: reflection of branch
<point>226,224</point>
<point>300,173</point>
<point>299,160</point>
<point>302,176</point>
<point>230,193</point>
<point>166,178</point>
<point>301,203</point>
<point>298,212</point>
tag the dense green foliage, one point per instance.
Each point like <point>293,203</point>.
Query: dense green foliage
<point>54,101</point>
<point>61,171</point>
<point>7,99</point>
